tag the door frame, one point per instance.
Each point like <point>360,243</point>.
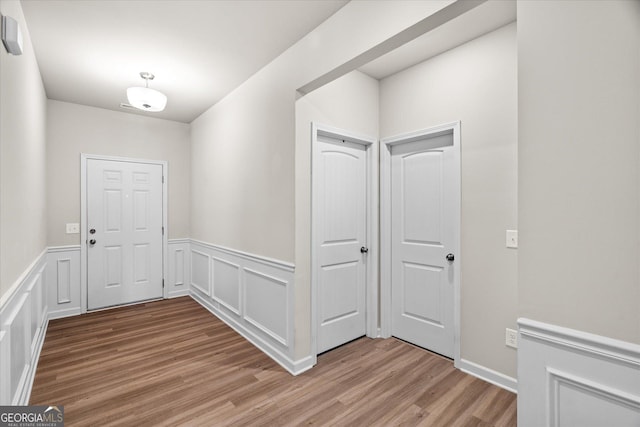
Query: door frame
<point>84,290</point>
<point>385,225</point>
<point>371,286</point>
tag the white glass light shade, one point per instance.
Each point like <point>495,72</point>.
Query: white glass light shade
<point>146,99</point>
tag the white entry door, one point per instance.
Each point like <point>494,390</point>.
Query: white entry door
<point>124,232</point>
<point>340,174</point>
<point>423,230</point>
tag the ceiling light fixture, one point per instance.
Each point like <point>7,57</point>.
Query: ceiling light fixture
<point>144,98</point>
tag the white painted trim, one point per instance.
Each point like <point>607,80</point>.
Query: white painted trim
<point>294,367</point>
<point>18,306</point>
<point>176,286</point>
<point>15,287</point>
<point>555,377</point>
<point>385,225</point>
<point>247,255</point>
<point>583,342</point>
<point>254,339</point>
<point>238,268</point>
<point>194,285</point>
<point>285,341</point>
<point>273,309</point>
<point>5,365</point>
<point>601,373</point>
<point>318,129</point>
<point>33,366</point>
<point>60,314</point>
<point>71,256</point>
<point>56,249</point>
<point>489,375</point>
<point>181,241</point>
<point>83,218</point>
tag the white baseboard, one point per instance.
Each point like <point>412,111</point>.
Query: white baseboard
<point>488,375</point>
<point>23,325</point>
<point>253,295</point>
<point>61,314</point>
<point>573,378</point>
<point>178,294</point>
<point>293,367</point>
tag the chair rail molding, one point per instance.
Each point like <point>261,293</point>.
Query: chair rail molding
<point>570,378</point>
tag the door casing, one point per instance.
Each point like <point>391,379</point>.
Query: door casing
<point>83,219</point>
<point>371,232</point>
<point>385,225</point>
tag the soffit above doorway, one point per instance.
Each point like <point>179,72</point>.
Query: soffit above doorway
<point>480,20</point>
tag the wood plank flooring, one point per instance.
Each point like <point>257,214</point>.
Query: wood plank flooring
<point>173,363</point>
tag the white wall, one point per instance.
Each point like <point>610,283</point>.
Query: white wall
<point>474,83</point>
<point>73,129</point>
<point>243,148</point>
<point>579,153</point>
<point>23,231</point>
<point>349,103</point>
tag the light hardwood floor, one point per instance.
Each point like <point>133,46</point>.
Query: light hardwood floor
<point>173,363</point>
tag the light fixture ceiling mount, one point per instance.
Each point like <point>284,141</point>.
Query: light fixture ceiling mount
<point>144,98</point>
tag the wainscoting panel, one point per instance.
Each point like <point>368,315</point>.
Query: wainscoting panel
<point>226,284</point>
<point>63,279</point>
<point>272,319</point>
<point>16,325</point>
<point>572,378</point>
<point>23,323</point>
<point>178,278</point>
<point>38,308</point>
<point>252,294</point>
<point>200,271</point>
<point>5,361</point>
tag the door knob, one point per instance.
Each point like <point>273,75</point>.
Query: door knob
<point>450,257</point>
<point>92,231</point>
<point>364,250</point>
<point>92,241</point>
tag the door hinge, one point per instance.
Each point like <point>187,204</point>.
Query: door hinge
<point>162,283</point>
<point>163,230</point>
<point>163,179</point>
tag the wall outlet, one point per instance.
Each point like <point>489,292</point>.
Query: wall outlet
<point>512,239</point>
<point>73,228</point>
<point>511,338</point>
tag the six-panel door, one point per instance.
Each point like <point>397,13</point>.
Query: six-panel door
<point>124,232</point>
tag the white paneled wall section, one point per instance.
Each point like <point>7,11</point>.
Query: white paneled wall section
<point>63,277</point>
<point>570,378</point>
<point>23,323</point>
<point>178,268</point>
<point>254,295</point>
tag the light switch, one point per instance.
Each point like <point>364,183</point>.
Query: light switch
<point>73,228</point>
<point>512,238</point>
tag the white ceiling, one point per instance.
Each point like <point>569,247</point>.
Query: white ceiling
<point>480,20</point>
<point>90,52</point>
